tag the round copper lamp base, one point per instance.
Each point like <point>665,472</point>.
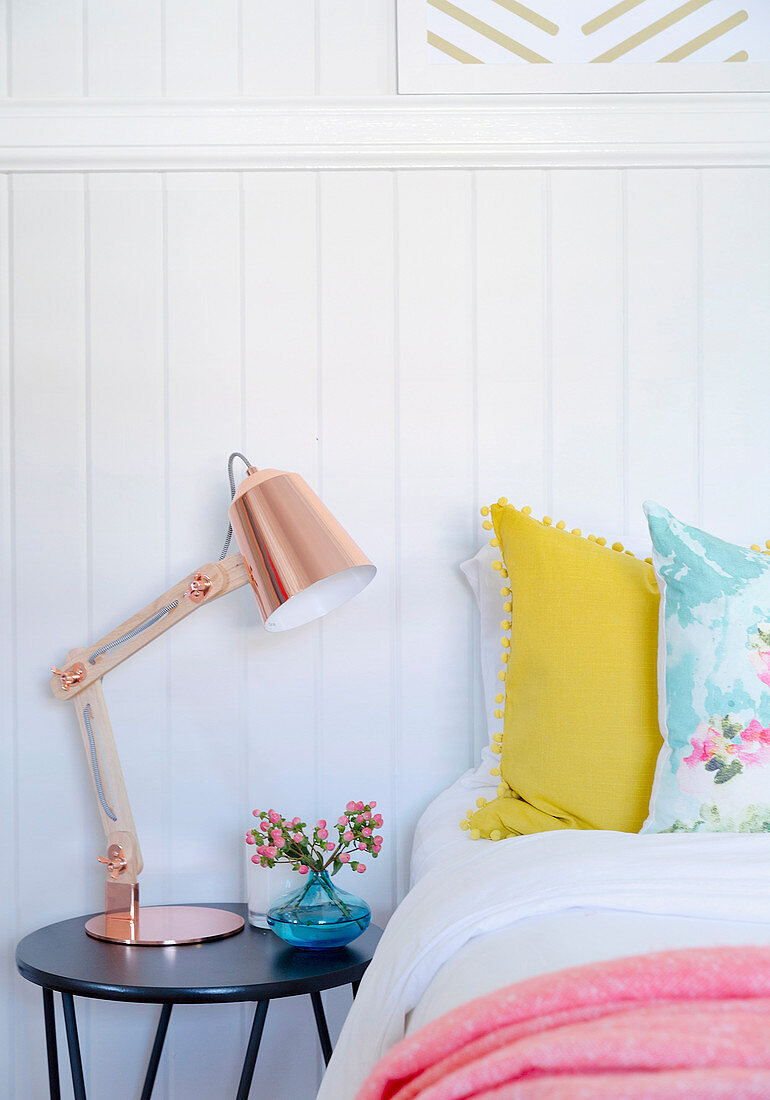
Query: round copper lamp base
<point>166,926</point>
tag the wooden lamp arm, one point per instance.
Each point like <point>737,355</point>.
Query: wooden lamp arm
<point>80,683</point>
<point>86,665</point>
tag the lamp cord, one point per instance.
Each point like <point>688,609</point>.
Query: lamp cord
<point>133,633</point>
<point>170,607</point>
<point>95,764</point>
<point>231,475</point>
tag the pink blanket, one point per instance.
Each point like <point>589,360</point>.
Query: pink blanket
<point>676,1024</point>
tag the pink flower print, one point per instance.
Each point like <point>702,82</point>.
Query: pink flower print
<point>760,659</point>
<point>702,751</point>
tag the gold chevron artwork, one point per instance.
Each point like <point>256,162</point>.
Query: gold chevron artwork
<point>473,32</point>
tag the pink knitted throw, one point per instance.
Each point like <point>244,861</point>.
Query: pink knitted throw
<point>675,1024</point>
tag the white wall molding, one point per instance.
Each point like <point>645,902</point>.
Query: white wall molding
<point>683,130</point>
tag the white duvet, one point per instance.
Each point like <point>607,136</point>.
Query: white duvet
<point>481,905</point>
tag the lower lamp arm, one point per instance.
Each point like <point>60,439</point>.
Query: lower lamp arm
<point>81,683</point>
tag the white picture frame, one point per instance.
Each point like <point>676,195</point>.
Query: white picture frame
<point>420,74</point>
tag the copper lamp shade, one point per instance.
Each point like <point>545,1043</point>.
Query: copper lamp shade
<point>300,561</point>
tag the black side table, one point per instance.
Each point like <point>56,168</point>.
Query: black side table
<point>251,966</point>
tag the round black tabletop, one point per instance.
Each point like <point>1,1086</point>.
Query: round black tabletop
<point>250,966</point>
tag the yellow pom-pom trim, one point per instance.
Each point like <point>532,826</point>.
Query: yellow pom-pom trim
<point>495,835</point>
<point>497,737</point>
<point>505,642</point>
<point>499,714</point>
<point>475,834</point>
<point>465,825</point>
<point>481,802</point>
<point>485,510</point>
<point>501,675</point>
<point>494,771</point>
<point>547,521</point>
<point>629,552</point>
<point>503,572</point>
<point>592,538</point>
<point>499,698</point>
<point>496,749</point>
<point>602,540</point>
<point>469,813</point>
<point>497,565</point>
<point>756,548</point>
<point>502,790</point>
<point>618,546</point>
<point>576,531</point>
<point>487,525</point>
<point>767,544</point>
<point>648,561</point>
<point>526,510</point>
<point>508,607</point>
<point>494,542</point>
<point>505,624</point>
<point>505,657</point>
<point>561,525</point>
<point>503,501</point>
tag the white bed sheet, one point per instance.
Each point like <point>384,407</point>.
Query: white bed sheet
<point>541,944</point>
<point>483,915</point>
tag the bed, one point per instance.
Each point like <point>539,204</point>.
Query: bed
<point>482,915</point>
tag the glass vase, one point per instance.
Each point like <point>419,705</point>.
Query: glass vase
<point>319,914</point>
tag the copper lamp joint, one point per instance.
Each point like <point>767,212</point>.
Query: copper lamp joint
<point>115,860</point>
<point>199,587</point>
<point>75,674</point>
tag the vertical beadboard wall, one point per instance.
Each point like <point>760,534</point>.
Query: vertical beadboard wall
<point>415,342</point>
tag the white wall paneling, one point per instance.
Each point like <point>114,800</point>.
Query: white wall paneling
<point>735,328</point>
<point>435,372</point>
<point>661,308</point>
<point>414,343</point>
<point>356,47</point>
<point>124,49</point>
<point>53,571</point>
<point>587,355</point>
<point>45,48</point>
<point>269,34</point>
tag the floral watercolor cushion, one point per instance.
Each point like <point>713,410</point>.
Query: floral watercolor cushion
<point>713,772</point>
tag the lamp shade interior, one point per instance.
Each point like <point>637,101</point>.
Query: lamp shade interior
<point>320,598</point>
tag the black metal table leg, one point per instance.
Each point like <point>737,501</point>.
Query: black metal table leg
<point>320,1023</point>
<point>252,1050</point>
<point>157,1050</point>
<point>76,1064</point>
<point>354,986</point>
<point>50,1044</point>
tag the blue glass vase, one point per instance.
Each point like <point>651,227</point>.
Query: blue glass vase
<point>319,914</point>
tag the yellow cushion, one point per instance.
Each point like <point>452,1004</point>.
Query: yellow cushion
<point>581,732</point>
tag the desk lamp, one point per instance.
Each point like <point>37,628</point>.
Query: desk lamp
<point>300,564</point>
